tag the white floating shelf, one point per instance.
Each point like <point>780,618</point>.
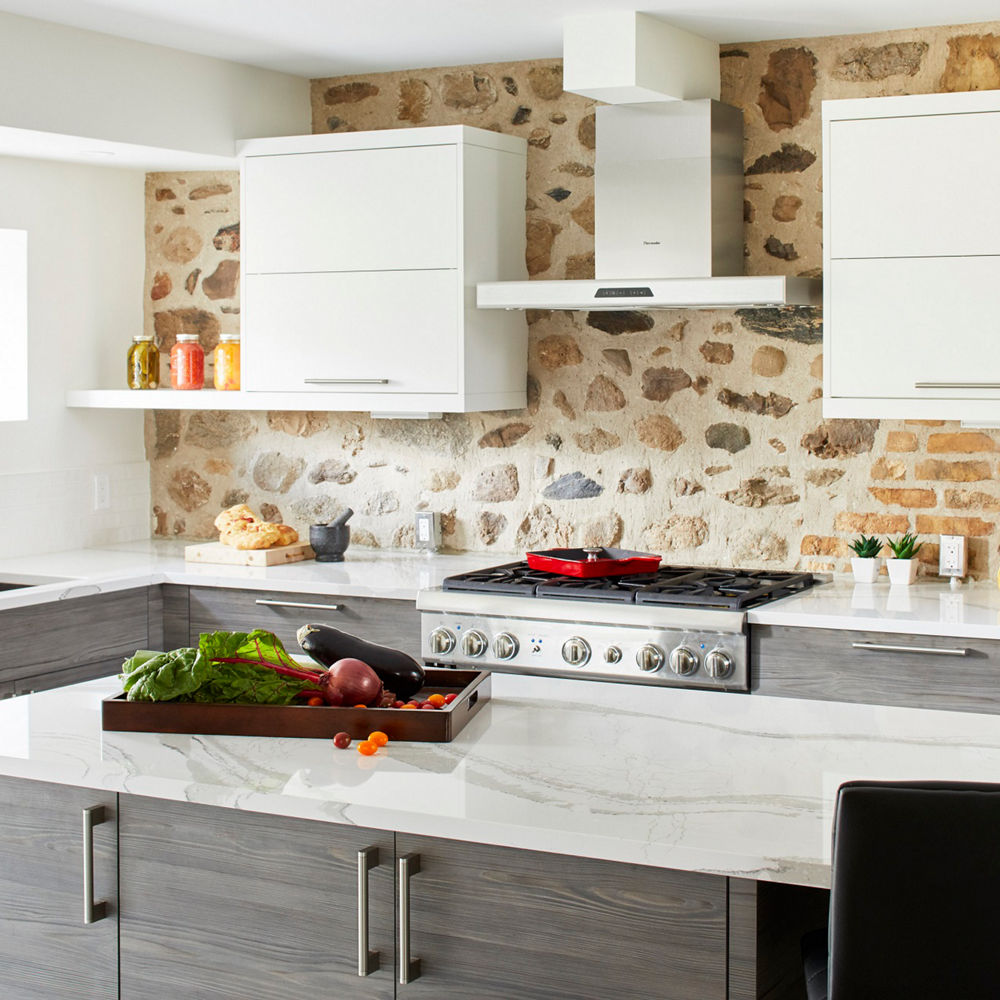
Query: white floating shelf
<point>391,406</point>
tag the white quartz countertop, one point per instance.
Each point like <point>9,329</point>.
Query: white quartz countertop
<point>724,783</point>
<point>928,607</point>
<point>397,574</point>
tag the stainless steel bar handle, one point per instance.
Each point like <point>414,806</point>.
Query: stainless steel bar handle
<point>368,961</point>
<point>882,647</point>
<point>409,968</point>
<point>956,385</point>
<point>346,381</point>
<point>300,604</point>
<point>92,912</point>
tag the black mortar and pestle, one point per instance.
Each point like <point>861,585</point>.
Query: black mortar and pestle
<point>330,541</point>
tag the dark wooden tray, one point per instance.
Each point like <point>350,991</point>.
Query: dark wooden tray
<point>318,722</point>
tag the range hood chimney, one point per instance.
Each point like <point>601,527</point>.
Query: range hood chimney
<point>668,180</point>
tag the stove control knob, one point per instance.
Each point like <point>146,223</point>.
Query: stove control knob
<point>442,641</point>
<point>505,646</point>
<point>475,643</point>
<point>683,661</point>
<point>718,664</point>
<point>576,651</point>
<point>649,658</point>
<point>612,654</point>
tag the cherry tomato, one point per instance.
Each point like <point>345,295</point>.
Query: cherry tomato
<point>378,738</point>
<point>360,706</point>
<point>429,704</point>
<point>398,704</point>
<point>409,705</point>
<point>342,741</point>
<point>437,700</point>
<point>315,700</point>
<point>367,748</point>
<point>449,698</point>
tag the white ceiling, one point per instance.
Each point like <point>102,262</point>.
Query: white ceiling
<point>317,38</point>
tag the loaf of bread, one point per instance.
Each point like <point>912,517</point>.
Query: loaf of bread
<point>240,528</point>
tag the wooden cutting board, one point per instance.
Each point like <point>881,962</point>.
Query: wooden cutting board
<point>216,552</point>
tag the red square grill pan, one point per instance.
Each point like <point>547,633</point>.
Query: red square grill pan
<point>590,562</point>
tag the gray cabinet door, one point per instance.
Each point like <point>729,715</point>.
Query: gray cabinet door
<point>62,642</point>
<point>389,622</point>
<point>47,952</point>
<point>224,903</point>
<point>499,924</point>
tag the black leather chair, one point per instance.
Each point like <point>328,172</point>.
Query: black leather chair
<point>915,900</point>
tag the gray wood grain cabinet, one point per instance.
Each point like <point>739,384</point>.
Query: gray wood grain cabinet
<point>877,668</point>
<point>222,903</point>
<point>219,903</point>
<point>62,642</point>
<point>500,924</point>
<point>389,622</point>
<point>47,952</point>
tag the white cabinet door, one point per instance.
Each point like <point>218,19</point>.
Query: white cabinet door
<point>387,332</point>
<point>352,210</point>
<point>907,321</point>
<point>924,185</point>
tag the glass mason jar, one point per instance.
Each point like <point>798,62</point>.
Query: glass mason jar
<point>187,363</point>
<point>143,367</point>
<point>227,362</point>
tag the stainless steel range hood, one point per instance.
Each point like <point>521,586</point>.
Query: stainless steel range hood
<point>668,219</point>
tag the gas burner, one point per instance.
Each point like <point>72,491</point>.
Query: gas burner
<point>669,585</point>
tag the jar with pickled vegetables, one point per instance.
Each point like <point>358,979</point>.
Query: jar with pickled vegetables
<point>143,367</point>
<point>227,362</point>
<point>187,363</point>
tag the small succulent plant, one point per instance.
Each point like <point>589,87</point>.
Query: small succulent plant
<point>905,547</point>
<point>866,547</point>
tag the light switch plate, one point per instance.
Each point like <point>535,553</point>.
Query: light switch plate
<point>954,556</point>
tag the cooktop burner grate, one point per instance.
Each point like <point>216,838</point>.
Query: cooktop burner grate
<point>669,585</point>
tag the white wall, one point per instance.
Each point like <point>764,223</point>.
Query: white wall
<point>81,83</point>
<point>86,253</point>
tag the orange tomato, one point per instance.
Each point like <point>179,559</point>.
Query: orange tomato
<point>315,700</point>
<point>378,738</point>
<point>437,700</point>
<point>409,704</point>
<point>367,748</point>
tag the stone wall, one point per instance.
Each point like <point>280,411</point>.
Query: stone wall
<point>696,434</point>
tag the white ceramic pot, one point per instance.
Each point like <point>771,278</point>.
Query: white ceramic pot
<point>865,570</point>
<point>902,571</point>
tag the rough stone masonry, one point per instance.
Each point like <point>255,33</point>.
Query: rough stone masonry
<point>695,434</point>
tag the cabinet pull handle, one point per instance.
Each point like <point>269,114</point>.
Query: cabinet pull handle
<point>368,961</point>
<point>956,385</point>
<point>346,381</point>
<point>92,912</point>
<point>409,968</point>
<point>886,648</point>
<point>300,604</point>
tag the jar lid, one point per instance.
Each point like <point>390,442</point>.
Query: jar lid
<point>139,337</point>
<point>187,337</point>
<point>230,338</point>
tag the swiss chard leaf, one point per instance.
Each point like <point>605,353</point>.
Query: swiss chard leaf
<point>176,674</point>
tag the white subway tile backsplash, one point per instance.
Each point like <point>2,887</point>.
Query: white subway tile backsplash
<point>52,510</point>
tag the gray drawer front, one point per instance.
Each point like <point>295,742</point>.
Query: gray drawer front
<point>391,623</point>
<point>825,664</point>
<point>62,642</point>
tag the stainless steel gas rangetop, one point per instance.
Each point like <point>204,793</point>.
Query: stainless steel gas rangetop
<point>678,626</point>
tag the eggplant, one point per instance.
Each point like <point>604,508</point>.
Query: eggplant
<point>398,671</point>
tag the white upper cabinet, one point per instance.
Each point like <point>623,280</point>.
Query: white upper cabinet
<point>360,254</point>
<point>352,210</point>
<point>912,257</point>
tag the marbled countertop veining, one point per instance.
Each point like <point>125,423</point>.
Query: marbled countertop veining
<point>703,781</point>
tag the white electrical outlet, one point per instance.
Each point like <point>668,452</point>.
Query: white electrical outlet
<point>954,556</point>
<point>102,491</point>
<point>428,530</point>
